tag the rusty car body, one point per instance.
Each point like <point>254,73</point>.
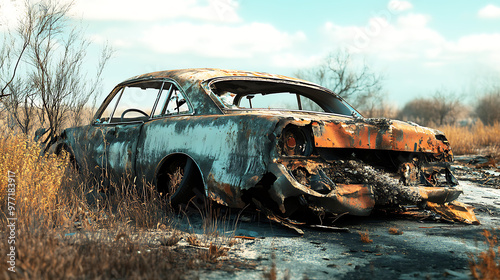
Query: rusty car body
<point>283,144</point>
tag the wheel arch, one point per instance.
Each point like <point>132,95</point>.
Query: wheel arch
<point>60,146</point>
<point>172,157</point>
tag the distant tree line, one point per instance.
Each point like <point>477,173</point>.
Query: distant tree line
<point>362,87</point>
<point>442,109</point>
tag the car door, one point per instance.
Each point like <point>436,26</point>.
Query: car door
<point>160,136</point>
<point>132,106</point>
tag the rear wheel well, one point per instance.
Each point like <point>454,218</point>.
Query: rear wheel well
<point>179,179</point>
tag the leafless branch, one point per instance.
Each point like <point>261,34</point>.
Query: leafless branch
<point>358,84</point>
<point>52,84</point>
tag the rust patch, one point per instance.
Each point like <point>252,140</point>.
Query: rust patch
<point>227,189</point>
<point>455,211</point>
<point>393,135</point>
<point>356,196</point>
<point>213,196</point>
<point>224,193</point>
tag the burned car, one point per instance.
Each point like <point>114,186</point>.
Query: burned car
<point>282,144</point>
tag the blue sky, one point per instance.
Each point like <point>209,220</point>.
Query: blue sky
<point>419,46</point>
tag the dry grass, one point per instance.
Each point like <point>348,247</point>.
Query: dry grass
<point>193,240</point>
<point>478,138</point>
<point>273,272</point>
<point>48,256</point>
<point>142,207</point>
<point>175,179</point>
<point>171,240</point>
<point>214,252</point>
<point>486,265</point>
<point>395,231</point>
<point>60,235</point>
<point>365,237</point>
<point>38,181</point>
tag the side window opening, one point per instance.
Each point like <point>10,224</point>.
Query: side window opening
<point>162,100</point>
<point>142,101</point>
<point>108,112</point>
<point>176,104</point>
<point>133,102</point>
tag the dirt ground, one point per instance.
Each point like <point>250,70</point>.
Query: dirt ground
<point>426,249</point>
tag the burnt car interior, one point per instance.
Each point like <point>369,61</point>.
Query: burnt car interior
<point>142,101</point>
<point>268,94</point>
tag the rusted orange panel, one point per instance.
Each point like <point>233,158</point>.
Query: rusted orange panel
<point>455,211</point>
<point>415,139</point>
<point>397,136</point>
<point>357,196</point>
<point>342,135</point>
<point>224,193</point>
<point>437,195</point>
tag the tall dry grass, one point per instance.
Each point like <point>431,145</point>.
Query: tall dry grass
<point>477,138</point>
<point>38,182</point>
<point>50,194</point>
<point>486,265</point>
<point>62,234</point>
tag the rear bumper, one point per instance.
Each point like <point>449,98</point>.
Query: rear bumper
<point>308,180</point>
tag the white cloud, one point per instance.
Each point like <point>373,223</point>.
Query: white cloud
<point>399,5</point>
<point>294,60</point>
<point>489,11</point>
<point>133,11</point>
<point>10,12</point>
<point>154,10</point>
<point>477,43</point>
<point>414,21</point>
<point>409,39</point>
<point>226,41</point>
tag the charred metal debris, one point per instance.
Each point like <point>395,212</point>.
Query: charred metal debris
<point>346,172</point>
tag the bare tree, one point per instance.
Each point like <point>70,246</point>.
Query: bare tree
<point>9,60</point>
<point>447,106</point>
<point>442,108</point>
<point>45,77</point>
<point>342,74</point>
<point>488,106</point>
<point>382,109</point>
<point>20,105</point>
<point>419,110</point>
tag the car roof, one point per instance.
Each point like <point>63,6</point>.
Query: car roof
<point>203,74</point>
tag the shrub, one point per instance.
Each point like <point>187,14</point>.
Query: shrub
<point>486,265</point>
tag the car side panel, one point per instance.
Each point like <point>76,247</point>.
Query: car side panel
<point>232,151</point>
<point>89,147</point>
<point>121,149</point>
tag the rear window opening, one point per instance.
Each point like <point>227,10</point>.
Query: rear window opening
<point>249,94</point>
